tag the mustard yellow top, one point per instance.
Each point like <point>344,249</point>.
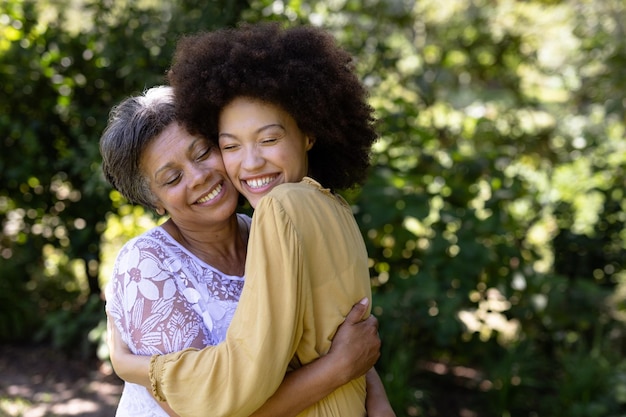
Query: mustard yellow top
<point>306,267</point>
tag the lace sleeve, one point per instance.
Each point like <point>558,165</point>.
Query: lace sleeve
<point>145,304</point>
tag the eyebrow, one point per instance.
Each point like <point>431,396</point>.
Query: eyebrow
<point>259,130</point>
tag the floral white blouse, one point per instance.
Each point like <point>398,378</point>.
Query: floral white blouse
<point>164,299</point>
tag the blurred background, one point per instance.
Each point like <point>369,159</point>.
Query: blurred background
<point>494,213</point>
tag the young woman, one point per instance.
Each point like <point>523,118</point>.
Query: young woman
<point>283,104</point>
<point>177,285</point>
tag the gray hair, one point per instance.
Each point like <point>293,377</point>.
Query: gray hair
<point>131,126</point>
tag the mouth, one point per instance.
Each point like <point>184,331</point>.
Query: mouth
<point>261,182</point>
<point>210,196</point>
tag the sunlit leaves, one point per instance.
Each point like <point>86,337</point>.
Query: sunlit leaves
<point>495,209</point>
<point>61,70</point>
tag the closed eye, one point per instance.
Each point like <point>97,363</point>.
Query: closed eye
<point>172,180</point>
<point>229,147</point>
<point>204,154</point>
<point>269,141</point>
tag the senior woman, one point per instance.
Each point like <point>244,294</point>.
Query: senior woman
<point>283,104</point>
<point>177,285</point>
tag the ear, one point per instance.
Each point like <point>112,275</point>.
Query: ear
<point>310,141</point>
<point>160,211</point>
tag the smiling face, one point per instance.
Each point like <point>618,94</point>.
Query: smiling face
<point>187,176</point>
<point>261,146</point>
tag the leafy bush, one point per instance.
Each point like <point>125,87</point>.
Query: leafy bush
<point>494,213</point>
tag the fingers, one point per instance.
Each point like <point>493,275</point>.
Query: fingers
<point>372,321</point>
<point>371,324</point>
<point>358,312</point>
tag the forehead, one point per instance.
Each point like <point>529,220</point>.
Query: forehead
<point>172,142</point>
<point>171,138</point>
<point>246,112</point>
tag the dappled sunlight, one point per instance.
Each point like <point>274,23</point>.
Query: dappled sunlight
<point>129,221</point>
<point>489,320</point>
<point>494,212</point>
<point>38,382</point>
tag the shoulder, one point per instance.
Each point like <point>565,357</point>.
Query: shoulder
<point>148,238</point>
<point>153,243</point>
<point>307,195</point>
<point>295,192</point>
<point>244,219</point>
<point>303,204</point>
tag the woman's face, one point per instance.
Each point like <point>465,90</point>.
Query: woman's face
<point>187,176</point>
<point>262,147</point>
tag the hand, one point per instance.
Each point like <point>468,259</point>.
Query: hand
<point>356,345</point>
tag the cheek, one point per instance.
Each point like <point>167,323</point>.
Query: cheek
<point>218,164</point>
<point>296,159</point>
<point>230,163</point>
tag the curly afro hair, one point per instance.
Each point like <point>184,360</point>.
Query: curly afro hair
<point>301,70</point>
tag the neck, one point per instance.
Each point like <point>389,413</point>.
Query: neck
<point>223,246</point>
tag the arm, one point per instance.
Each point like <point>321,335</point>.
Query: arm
<point>128,366</point>
<point>122,359</point>
<point>354,351</point>
<point>141,300</point>
<point>376,402</point>
<point>283,308</point>
<point>238,376</point>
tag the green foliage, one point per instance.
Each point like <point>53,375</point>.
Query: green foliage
<point>494,213</point>
<point>69,330</point>
<point>61,70</point>
<point>18,316</point>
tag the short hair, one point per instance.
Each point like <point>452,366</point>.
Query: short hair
<point>132,125</point>
<point>301,70</point>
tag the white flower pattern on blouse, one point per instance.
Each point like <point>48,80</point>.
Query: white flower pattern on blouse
<point>164,299</point>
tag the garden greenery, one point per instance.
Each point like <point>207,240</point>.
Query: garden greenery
<point>494,213</point>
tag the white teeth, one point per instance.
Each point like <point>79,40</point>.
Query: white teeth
<point>259,182</point>
<point>211,195</point>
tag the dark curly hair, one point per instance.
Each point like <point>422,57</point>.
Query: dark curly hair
<point>300,69</point>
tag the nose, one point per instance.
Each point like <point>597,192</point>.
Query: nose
<point>198,174</point>
<point>252,159</point>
